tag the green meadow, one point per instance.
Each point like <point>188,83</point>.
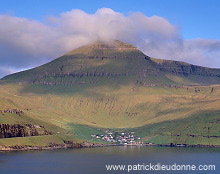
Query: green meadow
<point>157,114</point>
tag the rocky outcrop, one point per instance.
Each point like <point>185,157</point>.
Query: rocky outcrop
<point>71,144</point>
<point>12,130</point>
<point>18,130</point>
<point>14,111</point>
<point>184,69</point>
<point>117,45</point>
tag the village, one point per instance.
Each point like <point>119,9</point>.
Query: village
<point>122,138</point>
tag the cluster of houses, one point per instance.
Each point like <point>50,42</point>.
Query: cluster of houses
<point>120,138</point>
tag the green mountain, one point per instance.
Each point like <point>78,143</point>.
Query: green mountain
<point>115,63</point>
<point>110,86</point>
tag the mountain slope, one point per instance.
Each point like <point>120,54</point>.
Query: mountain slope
<point>112,86</point>
<point>115,64</point>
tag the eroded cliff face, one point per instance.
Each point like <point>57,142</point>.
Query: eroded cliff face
<point>18,130</point>
<point>184,69</point>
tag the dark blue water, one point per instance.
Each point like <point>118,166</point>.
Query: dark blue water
<point>94,160</point>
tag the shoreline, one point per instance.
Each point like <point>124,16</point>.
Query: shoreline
<point>72,145</point>
<point>67,145</point>
<point>184,145</point>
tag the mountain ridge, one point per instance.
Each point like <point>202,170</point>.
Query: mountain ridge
<point>115,59</point>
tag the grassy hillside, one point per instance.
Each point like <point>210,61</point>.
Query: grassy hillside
<point>159,111</point>
<point>113,86</point>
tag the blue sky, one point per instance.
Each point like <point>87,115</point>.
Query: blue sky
<point>33,32</point>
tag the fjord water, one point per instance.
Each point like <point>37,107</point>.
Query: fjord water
<point>94,160</point>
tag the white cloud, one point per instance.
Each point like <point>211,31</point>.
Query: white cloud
<point>28,43</point>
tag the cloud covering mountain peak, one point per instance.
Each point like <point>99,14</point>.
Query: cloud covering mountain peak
<point>26,43</point>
